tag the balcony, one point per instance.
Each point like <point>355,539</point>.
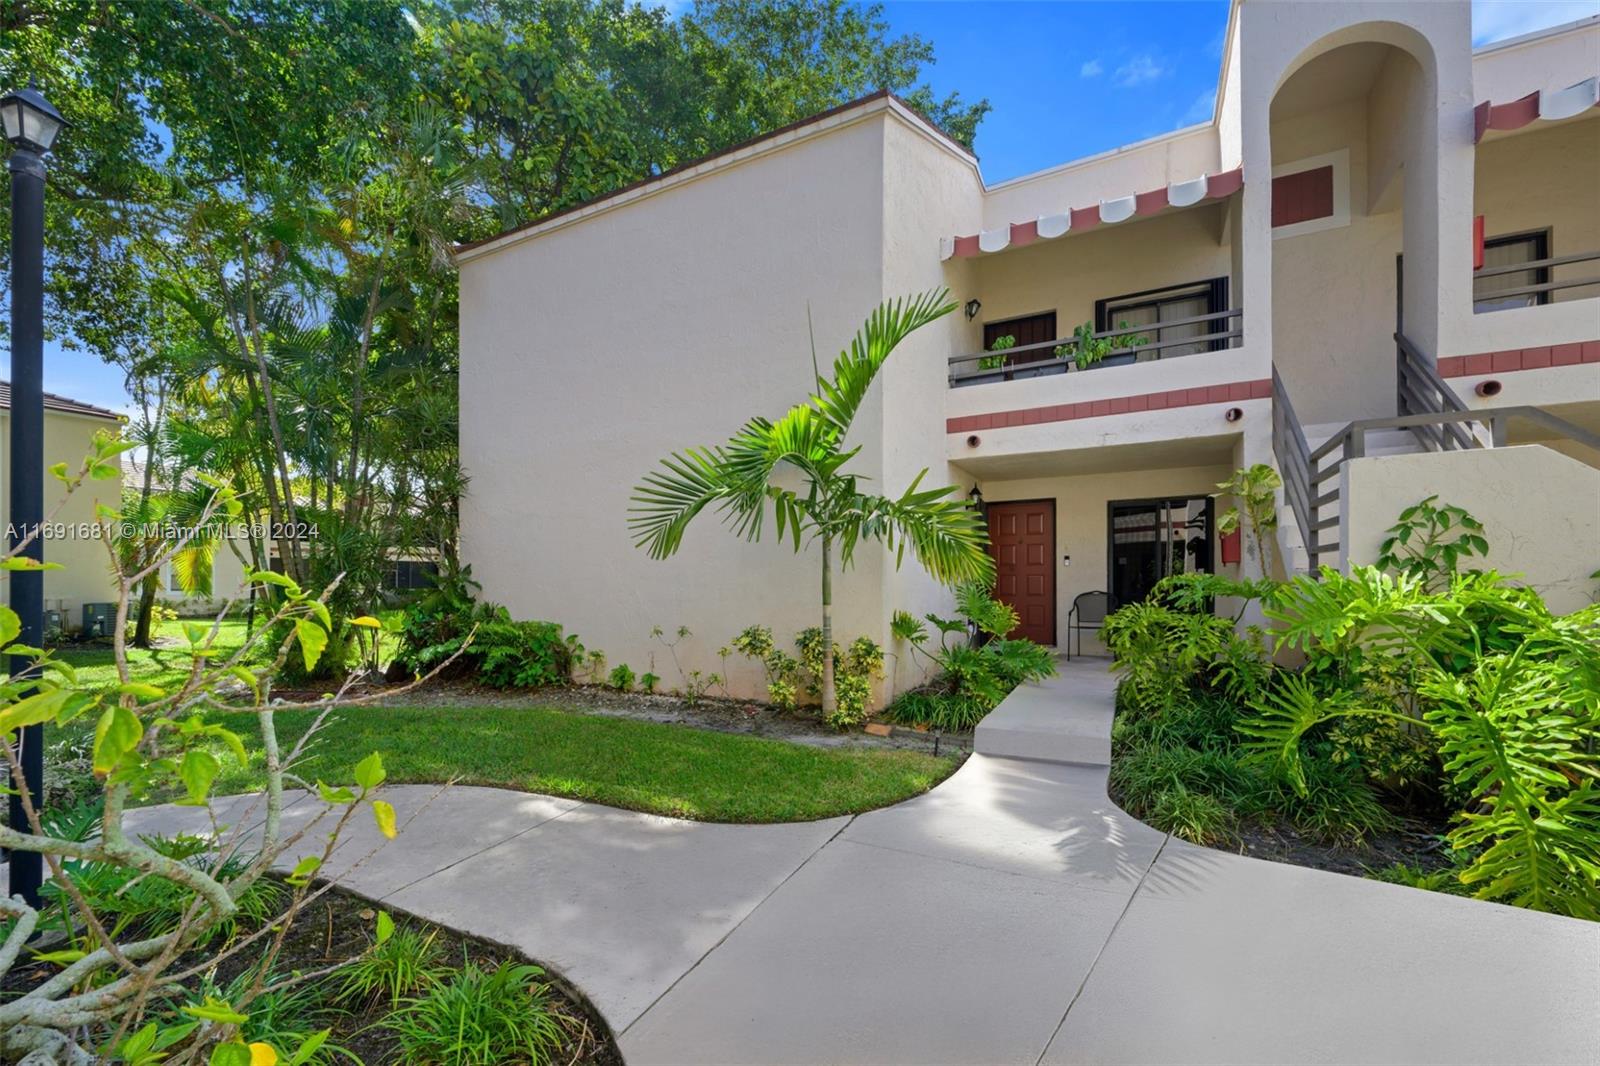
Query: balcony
<point>1141,343</point>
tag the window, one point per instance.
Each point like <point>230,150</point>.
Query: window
<point>1153,539</point>
<point>1507,251</point>
<point>1155,306</point>
<point>406,575</point>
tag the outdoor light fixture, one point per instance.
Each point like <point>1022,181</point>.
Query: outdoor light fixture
<point>30,126</point>
<point>975,497</point>
<point>29,122</point>
<point>973,307</point>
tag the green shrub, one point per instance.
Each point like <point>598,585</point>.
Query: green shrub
<point>435,625</point>
<point>621,677</point>
<point>525,654</point>
<point>1194,816</point>
<point>1510,692</point>
<point>971,680</point>
<point>787,676</point>
<point>401,966</point>
<point>479,1017</point>
<point>648,682</point>
<point>1447,880</point>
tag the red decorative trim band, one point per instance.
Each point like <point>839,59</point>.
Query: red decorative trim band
<point>1466,366</point>
<point>1232,392</point>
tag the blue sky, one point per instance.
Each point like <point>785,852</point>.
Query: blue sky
<point>1067,79</point>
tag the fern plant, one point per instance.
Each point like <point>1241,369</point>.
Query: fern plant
<point>1512,694</point>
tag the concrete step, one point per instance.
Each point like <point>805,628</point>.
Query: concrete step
<point>1065,719</point>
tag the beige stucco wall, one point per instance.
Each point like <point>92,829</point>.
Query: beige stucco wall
<point>1333,291</point>
<point>1150,164</point>
<point>1540,511</point>
<point>87,574</point>
<point>595,350</point>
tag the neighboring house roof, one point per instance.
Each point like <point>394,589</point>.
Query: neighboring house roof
<point>683,170</point>
<point>64,404</point>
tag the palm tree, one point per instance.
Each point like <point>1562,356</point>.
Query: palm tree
<point>740,477</point>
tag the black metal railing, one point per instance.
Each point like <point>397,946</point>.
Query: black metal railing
<point>1040,359</point>
<point>1538,268</point>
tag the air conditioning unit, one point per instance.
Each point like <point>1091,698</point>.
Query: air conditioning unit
<point>98,618</point>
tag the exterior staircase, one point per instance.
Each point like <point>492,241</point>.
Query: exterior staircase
<point>1431,418</point>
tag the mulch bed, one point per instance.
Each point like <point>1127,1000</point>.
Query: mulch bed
<point>338,926</point>
<point>1415,843</point>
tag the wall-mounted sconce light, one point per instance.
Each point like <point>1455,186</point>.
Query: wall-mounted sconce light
<point>973,307</point>
<point>1234,414</point>
<point>975,497</point>
<point>1488,388</point>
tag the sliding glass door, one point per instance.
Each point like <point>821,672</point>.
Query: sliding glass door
<point>1150,539</point>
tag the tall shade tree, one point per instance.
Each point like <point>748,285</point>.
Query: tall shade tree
<point>807,446</point>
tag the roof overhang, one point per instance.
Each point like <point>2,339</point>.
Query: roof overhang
<point>1549,105</point>
<point>1106,212</point>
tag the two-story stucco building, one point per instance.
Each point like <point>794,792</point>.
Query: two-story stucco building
<point>1378,223</point>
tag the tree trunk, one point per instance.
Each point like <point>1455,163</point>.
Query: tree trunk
<point>830,700</point>
<point>147,605</point>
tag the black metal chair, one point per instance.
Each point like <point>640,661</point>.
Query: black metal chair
<point>1089,610</point>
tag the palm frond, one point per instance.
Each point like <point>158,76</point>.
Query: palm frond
<point>838,400</point>
<point>670,497</point>
<point>948,537</point>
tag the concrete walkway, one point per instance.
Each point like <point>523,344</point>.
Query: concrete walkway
<point>1011,915</point>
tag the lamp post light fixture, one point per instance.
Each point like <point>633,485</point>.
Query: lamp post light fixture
<point>30,126</point>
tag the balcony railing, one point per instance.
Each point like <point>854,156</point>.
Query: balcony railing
<point>1513,295</point>
<point>1040,359</point>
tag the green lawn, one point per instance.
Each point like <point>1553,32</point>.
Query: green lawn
<point>643,766</point>
<point>673,770</point>
<point>163,667</point>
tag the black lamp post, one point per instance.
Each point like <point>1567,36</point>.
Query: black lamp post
<point>30,125</point>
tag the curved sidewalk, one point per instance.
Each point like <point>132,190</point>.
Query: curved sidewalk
<point>1011,915</point>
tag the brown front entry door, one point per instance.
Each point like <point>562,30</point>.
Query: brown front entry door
<point>1022,537</point>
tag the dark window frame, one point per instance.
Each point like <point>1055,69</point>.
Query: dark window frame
<point>998,325</point>
<point>1541,239</point>
<point>1216,293</point>
<point>1160,502</point>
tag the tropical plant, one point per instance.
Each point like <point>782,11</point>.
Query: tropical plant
<point>971,680</point>
<point>1255,490</point>
<point>132,913</point>
<point>1085,349</point>
<point>479,1017</point>
<point>1429,541</point>
<point>1510,691</point>
<point>621,677</point>
<point>742,477</point>
<point>788,675</point>
<point>999,344</point>
<point>401,967</point>
<point>526,654</point>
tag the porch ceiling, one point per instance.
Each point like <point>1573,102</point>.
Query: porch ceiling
<point>1107,459</point>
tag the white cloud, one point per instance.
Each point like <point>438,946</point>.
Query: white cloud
<point>1091,69</point>
<point>1140,69</point>
<point>1498,20</point>
<point>1201,110</point>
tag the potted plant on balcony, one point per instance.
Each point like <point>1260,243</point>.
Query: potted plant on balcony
<point>995,362</point>
<point>1086,350</point>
